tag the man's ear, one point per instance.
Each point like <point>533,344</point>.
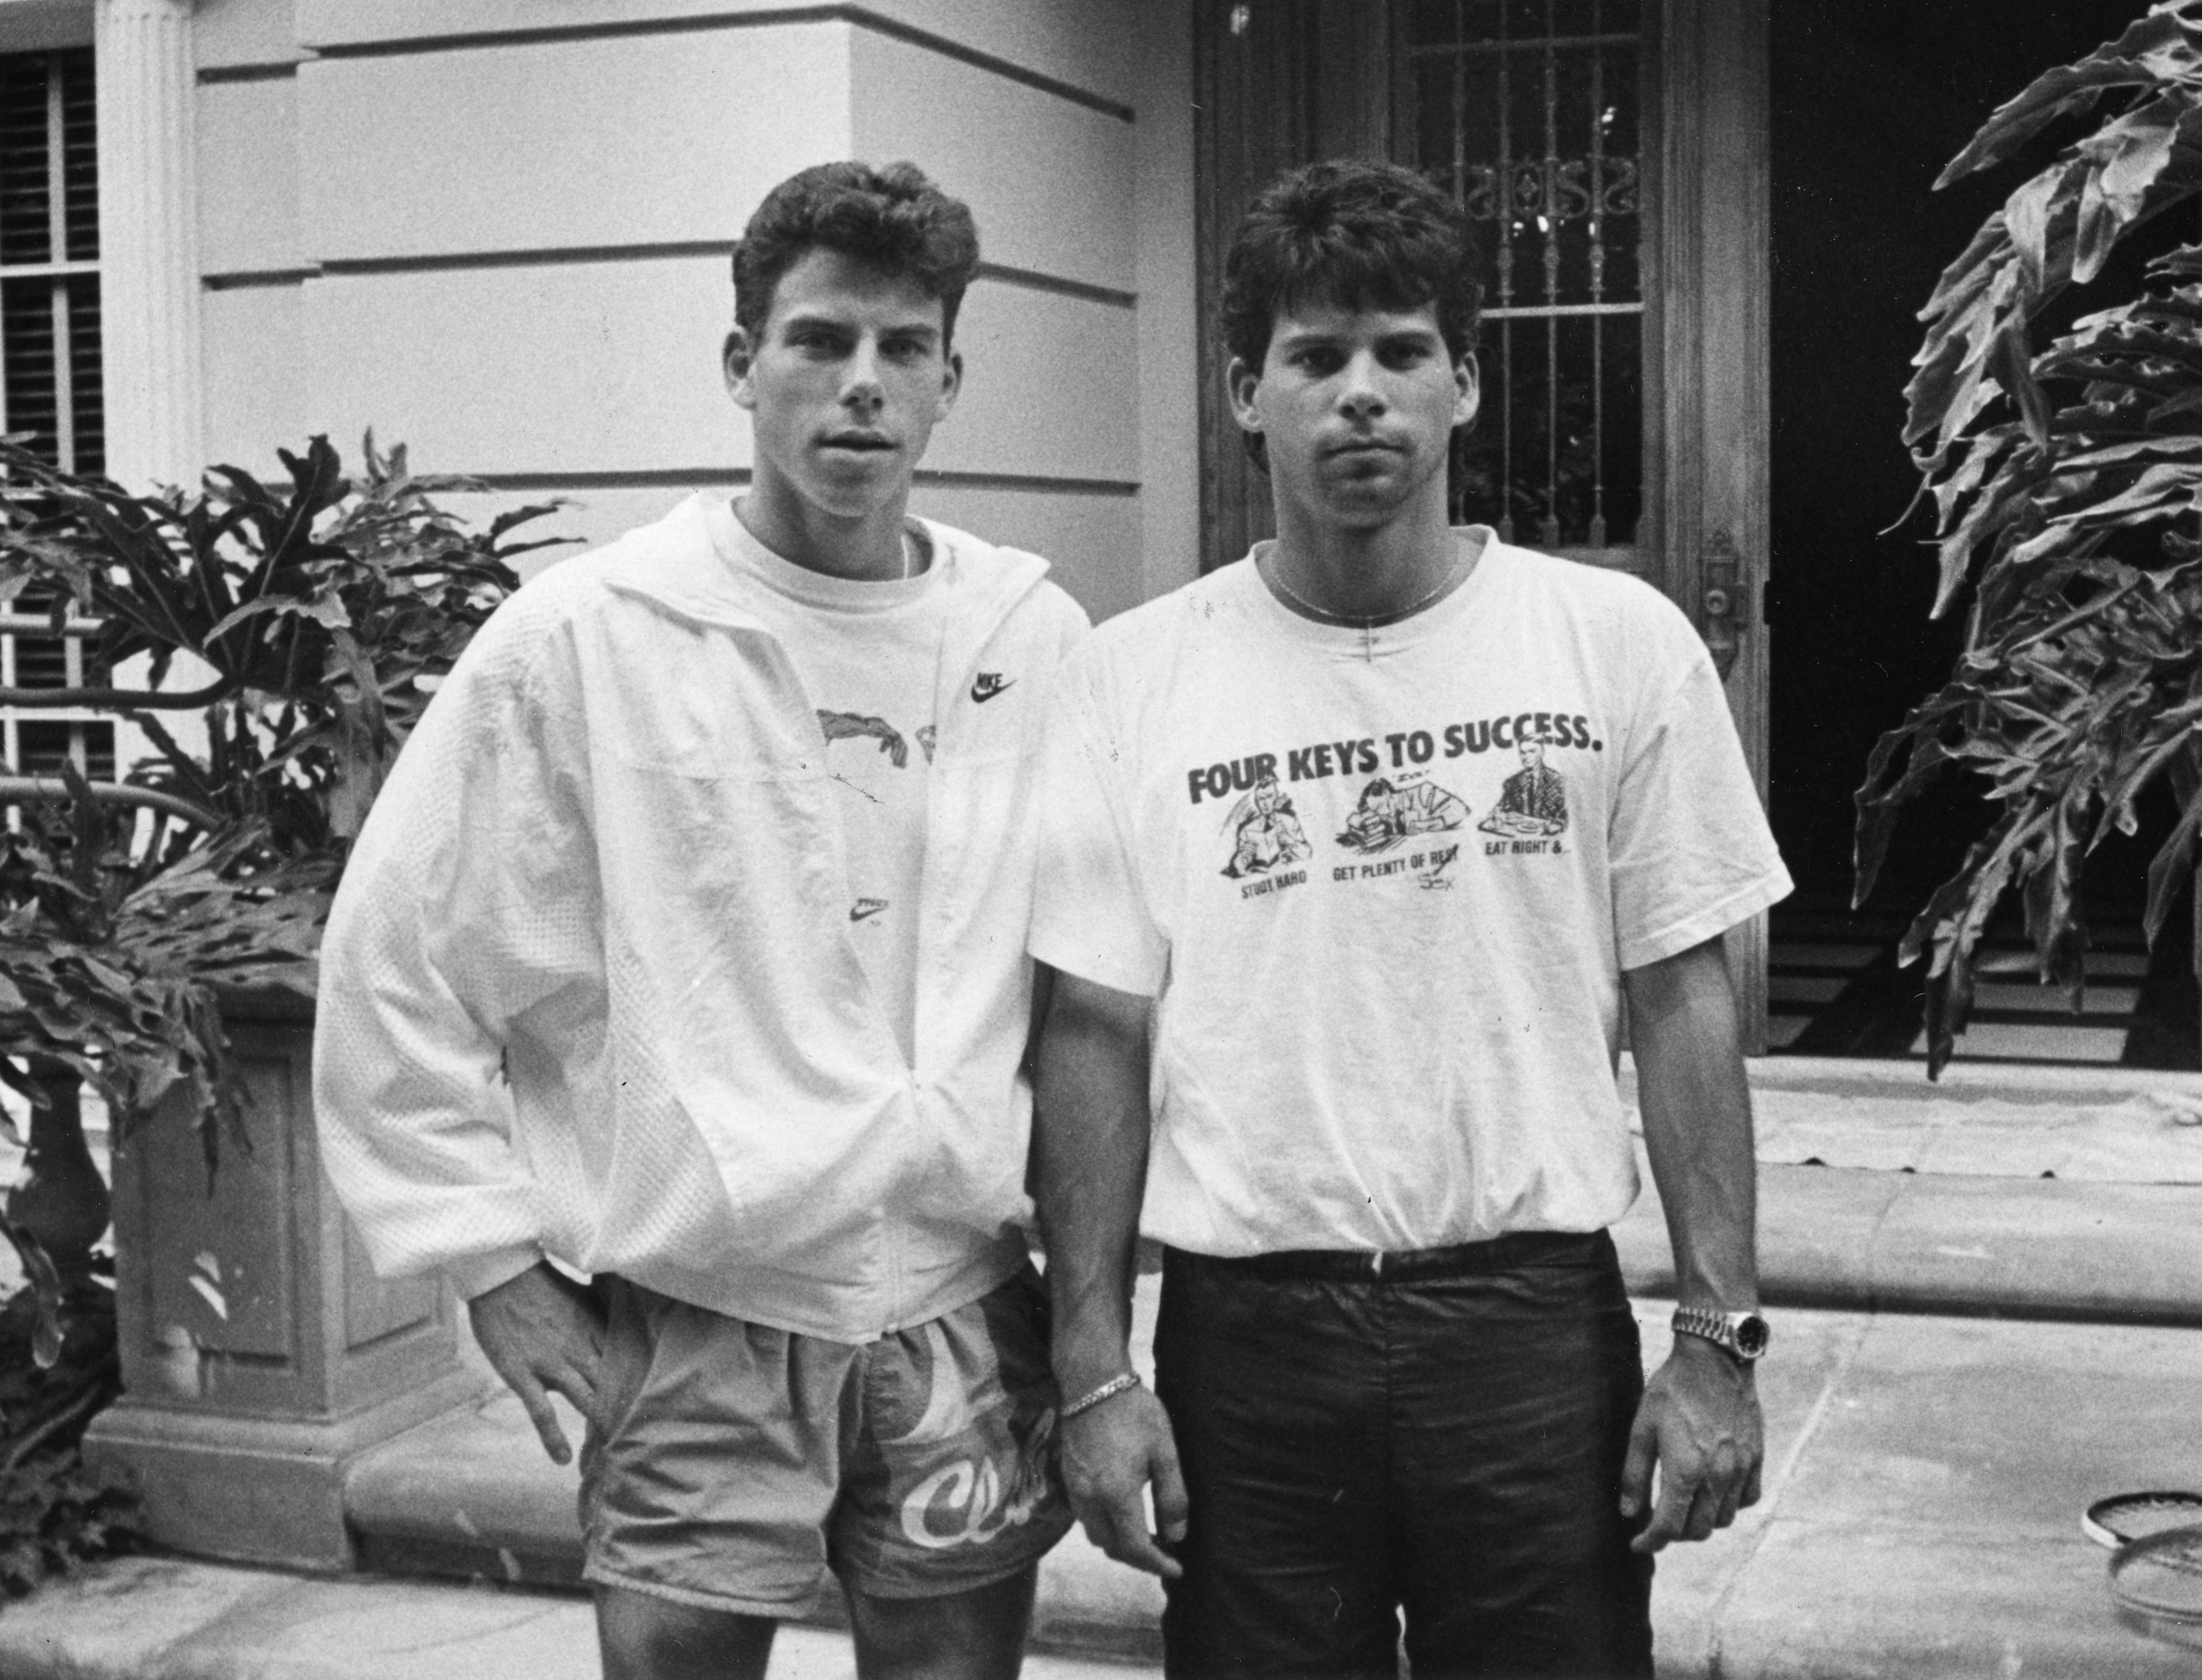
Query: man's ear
<point>951,383</point>
<point>1468,389</point>
<point>737,357</point>
<point>1244,384</point>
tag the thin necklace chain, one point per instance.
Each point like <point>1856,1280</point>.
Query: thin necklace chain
<point>1377,621</point>
<point>1364,624</point>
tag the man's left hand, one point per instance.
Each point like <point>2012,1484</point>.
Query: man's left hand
<point>1700,1423</point>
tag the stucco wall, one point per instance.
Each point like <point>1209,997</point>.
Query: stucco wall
<point>497,230</point>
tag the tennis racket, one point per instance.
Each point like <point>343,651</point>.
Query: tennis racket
<point>2123,1518</point>
<point>2160,1575</point>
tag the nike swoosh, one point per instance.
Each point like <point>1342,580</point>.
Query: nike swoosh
<point>866,906</point>
<point>982,691</point>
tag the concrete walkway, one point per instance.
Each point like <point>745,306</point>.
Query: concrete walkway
<point>164,1618</point>
<point>1926,1475</point>
<point>1925,1478</point>
<point>1964,1360</point>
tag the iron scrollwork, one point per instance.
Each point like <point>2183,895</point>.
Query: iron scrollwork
<point>1560,189</point>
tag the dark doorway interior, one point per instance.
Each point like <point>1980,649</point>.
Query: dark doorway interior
<point>1870,99</point>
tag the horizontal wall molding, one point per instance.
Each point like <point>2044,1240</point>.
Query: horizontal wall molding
<point>240,279</point>
<point>1030,483</point>
<point>862,17</point>
<point>986,60</point>
<point>733,477</point>
<point>668,478</point>
<point>548,256</point>
<point>1031,280</point>
<point>463,261</point>
<point>573,255</point>
<point>213,74</point>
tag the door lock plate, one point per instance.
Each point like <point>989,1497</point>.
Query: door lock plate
<point>1718,605</point>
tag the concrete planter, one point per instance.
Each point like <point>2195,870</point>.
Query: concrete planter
<point>260,1351</point>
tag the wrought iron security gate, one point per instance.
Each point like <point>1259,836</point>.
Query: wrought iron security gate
<point>1531,109</point>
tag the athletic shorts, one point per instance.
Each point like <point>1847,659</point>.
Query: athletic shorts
<point>1442,1435</point>
<point>739,1463</point>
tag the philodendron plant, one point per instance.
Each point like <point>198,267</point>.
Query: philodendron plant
<point>317,619</point>
<point>2067,482</point>
<point>306,624</point>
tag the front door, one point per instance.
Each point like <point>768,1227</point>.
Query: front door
<point>1613,155</point>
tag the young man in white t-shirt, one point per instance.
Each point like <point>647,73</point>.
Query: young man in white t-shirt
<point>1362,1077</point>
<point>686,945</point>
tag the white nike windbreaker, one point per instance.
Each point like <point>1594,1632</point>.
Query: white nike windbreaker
<point>589,989</point>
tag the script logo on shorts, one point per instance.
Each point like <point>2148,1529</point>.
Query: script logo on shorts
<point>969,1502</point>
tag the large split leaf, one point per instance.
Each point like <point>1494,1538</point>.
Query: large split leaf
<point>2066,485</point>
<point>320,604</point>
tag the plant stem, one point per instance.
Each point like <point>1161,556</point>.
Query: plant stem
<point>15,789</point>
<point>61,1199</point>
<point>88,1401</point>
<point>129,700</point>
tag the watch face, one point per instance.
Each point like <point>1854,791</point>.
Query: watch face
<point>1751,1336</point>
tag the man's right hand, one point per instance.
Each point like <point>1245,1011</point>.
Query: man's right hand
<point>543,1334</point>
<point>1109,1455</point>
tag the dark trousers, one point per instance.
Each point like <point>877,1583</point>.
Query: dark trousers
<point>1442,1435</point>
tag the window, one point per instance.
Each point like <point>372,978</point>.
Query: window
<point>1532,110</point>
<point>50,256</point>
<point>49,367</point>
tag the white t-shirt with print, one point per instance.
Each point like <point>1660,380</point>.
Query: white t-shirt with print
<point>1383,885</point>
<point>868,655</point>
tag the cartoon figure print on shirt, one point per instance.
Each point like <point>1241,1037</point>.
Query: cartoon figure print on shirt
<point>854,725</point>
<point>862,726</point>
<point>1533,802</point>
<point>1383,797</point>
<point>1388,812</point>
<point>1266,832</point>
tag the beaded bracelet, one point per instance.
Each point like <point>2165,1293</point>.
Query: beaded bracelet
<point>1087,1402</point>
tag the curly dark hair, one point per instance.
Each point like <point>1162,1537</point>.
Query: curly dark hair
<point>890,217</point>
<point>1360,233</point>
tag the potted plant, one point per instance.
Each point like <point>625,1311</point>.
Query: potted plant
<point>316,618</point>
<point>2067,485</point>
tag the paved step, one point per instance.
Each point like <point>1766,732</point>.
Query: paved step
<point>172,1619</point>
<point>2063,1193</point>
<point>1872,1268</point>
<point>1965,1358</point>
<point>1952,1243</point>
<point>1925,1478</point>
<point>2115,1124</point>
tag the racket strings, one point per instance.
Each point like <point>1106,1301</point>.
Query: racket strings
<point>2155,1541</point>
<point>2161,1574</point>
<point>2178,1560</point>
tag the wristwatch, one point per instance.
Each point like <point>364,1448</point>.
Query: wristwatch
<point>1743,1335</point>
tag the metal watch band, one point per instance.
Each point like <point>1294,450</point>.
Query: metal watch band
<point>1094,1397</point>
<point>1742,1334</point>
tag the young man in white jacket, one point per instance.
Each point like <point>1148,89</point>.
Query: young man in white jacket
<point>685,944</point>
